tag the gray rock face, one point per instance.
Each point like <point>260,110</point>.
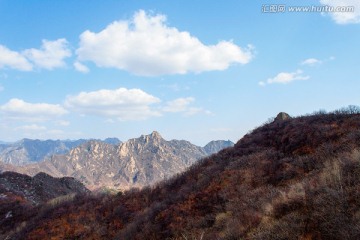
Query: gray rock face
<point>135,163</point>
<point>215,146</point>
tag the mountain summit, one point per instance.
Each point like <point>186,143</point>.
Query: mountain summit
<point>282,116</point>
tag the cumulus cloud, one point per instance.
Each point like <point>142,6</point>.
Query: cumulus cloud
<point>13,60</point>
<point>183,105</point>
<point>146,45</point>
<point>51,54</point>
<point>342,17</point>
<point>122,103</point>
<point>19,109</point>
<point>81,67</point>
<point>285,77</point>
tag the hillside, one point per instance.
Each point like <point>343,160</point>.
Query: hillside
<point>289,179</point>
<point>22,196</point>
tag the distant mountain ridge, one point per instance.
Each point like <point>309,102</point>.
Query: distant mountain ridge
<point>27,151</point>
<point>215,146</point>
<point>135,163</point>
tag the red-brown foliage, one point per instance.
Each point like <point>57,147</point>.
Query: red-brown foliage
<point>292,179</point>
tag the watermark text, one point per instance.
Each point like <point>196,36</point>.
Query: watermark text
<point>282,8</point>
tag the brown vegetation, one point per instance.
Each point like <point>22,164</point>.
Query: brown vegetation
<point>291,179</point>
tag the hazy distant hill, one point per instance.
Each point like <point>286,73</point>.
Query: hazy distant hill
<point>28,151</point>
<point>215,146</point>
<point>290,179</point>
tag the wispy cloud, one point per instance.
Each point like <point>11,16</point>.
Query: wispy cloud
<point>32,127</point>
<point>146,45</point>
<point>344,17</point>
<point>81,67</point>
<point>311,62</point>
<point>285,78</point>
<point>183,105</point>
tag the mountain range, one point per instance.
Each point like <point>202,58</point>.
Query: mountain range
<point>135,163</point>
<point>292,178</point>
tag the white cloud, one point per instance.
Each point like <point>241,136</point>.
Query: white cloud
<point>19,109</point>
<point>183,105</point>
<point>145,45</point>
<point>63,123</point>
<point>1,88</point>
<point>195,110</point>
<point>122,103</point>
<point>81,67</point>
<point>285,77</point>
<point>344,17</point>
<point>178,105</point>
<point>32,127</point>
<point>51,54</point>
<point>311,62</point>
<point>13,60</point>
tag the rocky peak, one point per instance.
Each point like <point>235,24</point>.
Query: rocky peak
<point>282,116</point>
<point>155,136</point>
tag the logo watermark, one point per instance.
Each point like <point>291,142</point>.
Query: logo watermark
<point>282,8</point>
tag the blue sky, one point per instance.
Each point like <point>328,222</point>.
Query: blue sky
<point>194,70</point>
